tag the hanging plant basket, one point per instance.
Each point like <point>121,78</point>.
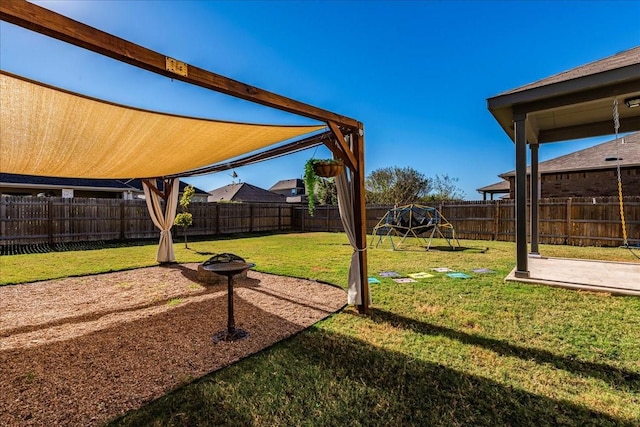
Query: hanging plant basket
<point>315,169</point>
<point>328,168</point>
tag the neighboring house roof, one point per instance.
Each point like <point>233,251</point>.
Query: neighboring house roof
<point>31,181</point>
<point>619,60</point>
<point>499,187</point>
<point>243,192</point>
<point>50,182</point>
<point>594,157</point>
<point>138,184</point>
<point>287,184</point>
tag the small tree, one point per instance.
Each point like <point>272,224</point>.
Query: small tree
<point>445,188</point>
<point>184,219</point>
<point>396,186</point>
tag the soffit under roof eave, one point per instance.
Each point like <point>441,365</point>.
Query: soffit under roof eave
<point>499,187</point>
<point>566,133</point>
<point>620,83</point>
<point>553,90</point>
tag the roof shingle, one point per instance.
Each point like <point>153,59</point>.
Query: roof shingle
<point>619,60</point>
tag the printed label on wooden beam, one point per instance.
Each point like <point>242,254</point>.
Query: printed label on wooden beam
<point>177,67</point>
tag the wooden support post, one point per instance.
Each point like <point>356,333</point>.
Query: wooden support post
<point>360,216</point>
<point>522,269</point>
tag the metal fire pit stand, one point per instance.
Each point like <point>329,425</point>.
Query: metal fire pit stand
<point>229,269</point>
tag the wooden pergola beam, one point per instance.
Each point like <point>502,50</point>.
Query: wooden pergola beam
<point>165,192</point>
<point>47,22</point>
<point>293,147</point>
<point>342,150</point>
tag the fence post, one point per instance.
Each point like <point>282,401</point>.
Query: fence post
<point>496,219</point>
<point>122,219</point>
<point>50,221</point>
<point>251,218</point>
<point>568,223</point>
<point>326,212</point>
<point>217,211</point>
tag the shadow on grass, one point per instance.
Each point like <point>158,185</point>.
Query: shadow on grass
<point>202,253</point>
<point>408,247</point>
<point>464,249</point>
<point>320,378</point>
<point>617,378</point>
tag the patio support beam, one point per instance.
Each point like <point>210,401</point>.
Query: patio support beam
<point>535,199</point>
<point>627,124</point>
<point>520,137</point>
<point>52,24</point>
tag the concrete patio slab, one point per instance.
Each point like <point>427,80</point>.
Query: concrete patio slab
<point>617,278</point>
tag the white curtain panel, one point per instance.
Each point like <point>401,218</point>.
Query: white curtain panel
<point>345,206</point>
<point>163,220</point>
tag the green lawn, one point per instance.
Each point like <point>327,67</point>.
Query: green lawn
<point>441,352</point>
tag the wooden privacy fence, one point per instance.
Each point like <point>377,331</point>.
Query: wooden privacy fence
<point>31,220</point>
<point>582,221</point>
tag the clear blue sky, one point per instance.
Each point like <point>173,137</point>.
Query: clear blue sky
<point>417,74</point>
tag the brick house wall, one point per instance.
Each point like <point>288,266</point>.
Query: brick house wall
<point>591,183</point>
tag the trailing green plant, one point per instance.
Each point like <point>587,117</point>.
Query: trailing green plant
<point>311,179</point>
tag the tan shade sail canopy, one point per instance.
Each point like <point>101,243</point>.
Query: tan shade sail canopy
<point>50,132</point>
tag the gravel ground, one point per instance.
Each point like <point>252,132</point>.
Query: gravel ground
<point>82,350</point>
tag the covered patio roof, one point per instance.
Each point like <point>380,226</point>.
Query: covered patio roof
<point>578,103</point>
